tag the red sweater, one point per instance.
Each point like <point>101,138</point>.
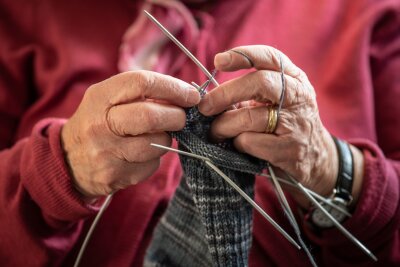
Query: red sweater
<point>51,51</point>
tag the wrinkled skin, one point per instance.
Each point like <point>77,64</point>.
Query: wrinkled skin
<point>300,145</point>
<point>107,140</point>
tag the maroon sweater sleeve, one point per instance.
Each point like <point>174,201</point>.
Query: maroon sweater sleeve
<point>376,219</point>
<point>45,176</point>
<point>39,209</point>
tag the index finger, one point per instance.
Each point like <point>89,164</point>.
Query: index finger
<point>262,86</point>
<point>261,57</point>
<point>138,85</point>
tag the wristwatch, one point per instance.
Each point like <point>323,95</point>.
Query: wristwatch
<point>341,195</point>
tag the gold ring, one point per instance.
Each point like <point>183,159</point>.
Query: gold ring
<point>272,119</point>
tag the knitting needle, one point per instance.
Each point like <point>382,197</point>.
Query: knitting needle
<point>281,196</point>
<point>182,47</point>
<point>91,229</point>
<point>262,212</point>
<point>336,223</point>
<point>208,162</point>
<point>196,85</point>
<point>288,211</point>
<point>308,194</point>
<point>180,152</point>
<point>320,198</point>
<point>252,203</point>
<point>202,89</point>
<point>315,195</point>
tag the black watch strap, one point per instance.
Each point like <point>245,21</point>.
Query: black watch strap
<point>344,182</point>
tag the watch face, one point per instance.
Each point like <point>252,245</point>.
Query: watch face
<point>321,220</point>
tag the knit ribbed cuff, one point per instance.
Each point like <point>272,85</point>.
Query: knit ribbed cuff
<point>45,175</point>
<point>374,218</point>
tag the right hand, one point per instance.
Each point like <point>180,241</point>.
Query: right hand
<point>107,140</point>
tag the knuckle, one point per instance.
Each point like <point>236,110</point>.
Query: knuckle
<point>148,118</point>
<point>246,119</point>
<point>271,54</point>
<point>97,154</point>
<point>91,94</point>
<point>300,151</point>
<point>276,57</point>
<point>265,80</point>
<point>89,91</point>
<point>268,79</point>
<point>115,127</point>
<point>185,94</point>
<point>264,77</point>
<point>143,80</point>
<point>296,93</point>
<point>302,76</point>
<point>298,74</point>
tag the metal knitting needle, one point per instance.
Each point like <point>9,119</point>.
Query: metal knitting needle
<point>196,85</point>
<point>335,222</point>
<point>288,211</point>
<point>315,195</point>
<point>208,162</point>
<point>182,47</point>
<point>282,197</point>
<point>252,203</point>
<point>201,88</point>
<point>320,198</point>
<point>180,152</point>
<point>91,229</point>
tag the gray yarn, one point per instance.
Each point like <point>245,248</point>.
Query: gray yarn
<point>179,237</point>
<point>207,222</point>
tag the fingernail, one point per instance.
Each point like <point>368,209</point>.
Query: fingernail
<point>223,59</point>
<point>205,105</point>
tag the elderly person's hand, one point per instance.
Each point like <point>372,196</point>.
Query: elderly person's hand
<point>300,144</point>
<point>107,140</point>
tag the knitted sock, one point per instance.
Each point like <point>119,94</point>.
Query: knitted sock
<point>178,239</point>
<point>207,222</point>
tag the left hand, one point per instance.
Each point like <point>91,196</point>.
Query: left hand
<point>300,145</point>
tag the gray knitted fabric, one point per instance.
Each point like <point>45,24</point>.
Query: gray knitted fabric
<point>207,222</point>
